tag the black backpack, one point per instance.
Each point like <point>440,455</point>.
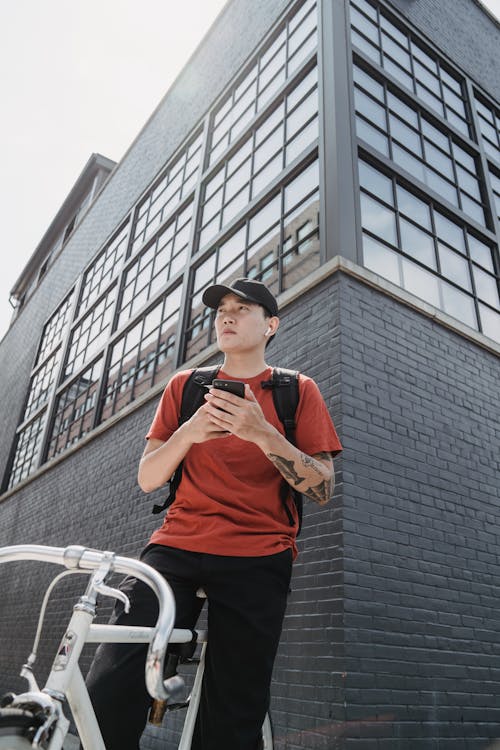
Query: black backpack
<point>285,387</point>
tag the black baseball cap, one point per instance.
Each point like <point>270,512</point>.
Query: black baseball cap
<point>248,289</point>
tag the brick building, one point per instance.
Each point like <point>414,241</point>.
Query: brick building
<point>348,154</point>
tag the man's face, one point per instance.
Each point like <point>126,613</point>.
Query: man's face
<point>240,325</point>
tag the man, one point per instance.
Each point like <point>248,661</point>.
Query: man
<point>228,531</point>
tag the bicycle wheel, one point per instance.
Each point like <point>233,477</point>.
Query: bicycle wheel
<point>267,734</point>
<point>17,729</point>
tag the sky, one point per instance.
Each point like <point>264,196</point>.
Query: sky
<point>78,77</point>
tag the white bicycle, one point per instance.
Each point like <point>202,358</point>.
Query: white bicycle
<point>36,719</point>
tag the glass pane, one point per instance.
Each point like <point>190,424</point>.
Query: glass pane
<point>473,209</point>
<point>430,99</point>
<point>459,305</point>
<point>266,217</point>
<point>274,119</point>
<point>301,230</point>
<point>306,84</point>
<point>237,204</point>
<point>381,259</point>
<point>441,162</point>
<point>486,287</point>
<point>394,32</point>
<point>417,243</point>
<point>401,75</point>
<point>368,83</point>
<point>373,111</point>
<point>232,248</point>
<point>448,231</point>
<point>365,25</point>
<point>420,282</point>
<point>465,159</point>
<point>375,182</point>
<point>427,78</point>
<point>490,322</point>
<point>414,208</point>
<point>395,51</point>
<point>408,162</point>
<point>239,178</point>
<point>441,186</point>
<point>436,136</point>
<point>267,175</point>
<point>296,190</point>
<point>268,149</point>
<point>407,114</point>
<point>372,136</point>
<point>378,219</point>
<point>205,273</point>
<point>302,114</point>
<point>366,46</point>
<point>468,182</point>
<point>454,267</point>
<point>405,135</point>
<point>301,141</point>
<point>480,253</point>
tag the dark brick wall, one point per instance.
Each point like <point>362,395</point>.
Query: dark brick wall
<point>464,32</point>
<point>421,492</point>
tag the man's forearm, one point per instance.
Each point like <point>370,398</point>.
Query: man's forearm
<point>311,475</point>
<point>157,466</point>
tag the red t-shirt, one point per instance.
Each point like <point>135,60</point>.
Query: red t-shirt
<point>228,501</point>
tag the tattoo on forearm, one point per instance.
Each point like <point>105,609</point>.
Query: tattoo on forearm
<point>287,468</point>
<point>310,463</point>
<point>321,493</point>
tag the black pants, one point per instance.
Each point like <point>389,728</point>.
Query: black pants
<point>246,605</point>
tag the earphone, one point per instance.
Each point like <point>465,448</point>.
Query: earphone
<point>268,331</point>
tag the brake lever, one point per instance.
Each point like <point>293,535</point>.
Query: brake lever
<point>105,590</point>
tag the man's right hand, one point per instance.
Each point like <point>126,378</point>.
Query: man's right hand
<point>200,427</point>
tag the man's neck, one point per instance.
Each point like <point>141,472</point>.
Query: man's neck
<point>241,366</point>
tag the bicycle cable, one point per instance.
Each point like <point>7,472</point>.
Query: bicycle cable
<point>50,588</point>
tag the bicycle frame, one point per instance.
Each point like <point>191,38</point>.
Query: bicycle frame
<point>65,681</point>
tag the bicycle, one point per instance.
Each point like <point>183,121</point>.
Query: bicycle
<point>35,719</point>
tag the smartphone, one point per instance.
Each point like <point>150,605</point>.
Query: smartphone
<point>235,387</point>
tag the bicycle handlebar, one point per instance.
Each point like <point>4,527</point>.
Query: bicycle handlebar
<point>83,558</point>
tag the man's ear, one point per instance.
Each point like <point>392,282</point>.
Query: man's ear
<point>272,327</point>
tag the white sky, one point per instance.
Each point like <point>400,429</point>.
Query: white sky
<point>76,77</point>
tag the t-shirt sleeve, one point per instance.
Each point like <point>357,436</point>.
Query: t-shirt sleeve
<point>315,431</point>
<point>166,418</point>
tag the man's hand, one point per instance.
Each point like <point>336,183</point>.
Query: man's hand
<point>201,427</point>
<point>242,417</point>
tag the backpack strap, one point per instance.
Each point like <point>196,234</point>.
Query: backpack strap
<point>285,387</point>
<point>192,398</point>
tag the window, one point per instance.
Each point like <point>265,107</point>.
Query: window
<point>286,54</point>
<point>176,183</point>
<point>156,265</point>
<point>90,334</point>
<point>278,242</point>
<point>28,446</point>
<point>41,384</point>
<point>143,355</point>
<point>489,126</point>
<point>407,61</point>
<point>271,147</point>
<point>102,270</point>
<point>75,410</point>
<point>410,241</point>
<point>55,329</point>
<point>406,135</point>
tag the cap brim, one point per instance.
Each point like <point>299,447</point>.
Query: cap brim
<point>213,295</point>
